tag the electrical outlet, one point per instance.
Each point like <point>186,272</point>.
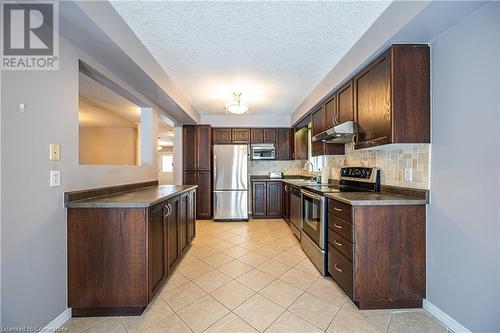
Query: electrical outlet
<point>55,178</point>
<point>54,152</point>
<point>408,174</point>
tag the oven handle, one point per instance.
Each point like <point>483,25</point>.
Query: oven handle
<point>311,195</point>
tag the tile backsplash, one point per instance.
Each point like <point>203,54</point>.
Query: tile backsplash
<point>391,159</point>
<point>263,167</point>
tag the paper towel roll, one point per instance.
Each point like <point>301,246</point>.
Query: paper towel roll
<point>325,175</point>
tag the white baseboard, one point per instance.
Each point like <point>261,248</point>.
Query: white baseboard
<point>444,318</point>
<point>58,322</point>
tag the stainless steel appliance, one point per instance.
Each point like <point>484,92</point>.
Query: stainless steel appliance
<point>341,133</point>
<point>276,175</point>
<point>295,211</point>
<point>263,151</point>
<point>230,182</point>
<point>315,209</point>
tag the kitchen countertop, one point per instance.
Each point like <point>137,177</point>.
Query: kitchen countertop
<point>375,199</point>
<point>139,198</point>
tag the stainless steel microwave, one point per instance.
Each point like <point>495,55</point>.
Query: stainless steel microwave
<point>263,151</point>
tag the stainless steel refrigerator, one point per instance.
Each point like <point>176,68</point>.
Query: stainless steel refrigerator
<point>230,182</point>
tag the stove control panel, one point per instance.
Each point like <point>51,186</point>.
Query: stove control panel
<point>357,172</point>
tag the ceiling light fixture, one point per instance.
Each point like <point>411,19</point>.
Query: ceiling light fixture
<point>237,106</point>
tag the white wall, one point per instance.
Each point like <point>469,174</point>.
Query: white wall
<point>246,120</point>
<point>463,258</point>
<point>33,237</point>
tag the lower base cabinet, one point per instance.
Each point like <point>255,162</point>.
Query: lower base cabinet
<point>118,258</point>
<point>377,254</point>
<point>267,199</point>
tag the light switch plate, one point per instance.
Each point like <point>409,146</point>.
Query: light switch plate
<point>55,152</point>
<point>55,178</point>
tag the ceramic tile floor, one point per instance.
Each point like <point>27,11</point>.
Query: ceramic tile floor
<point>253,277</point>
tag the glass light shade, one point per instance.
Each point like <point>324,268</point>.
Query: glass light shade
<point>237,108</point>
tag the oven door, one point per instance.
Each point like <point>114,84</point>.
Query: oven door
<point>313,217</point>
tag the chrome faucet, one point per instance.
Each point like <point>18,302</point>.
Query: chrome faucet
<point>306,168</point>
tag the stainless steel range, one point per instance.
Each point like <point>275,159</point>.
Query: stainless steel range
<point>315,209</point>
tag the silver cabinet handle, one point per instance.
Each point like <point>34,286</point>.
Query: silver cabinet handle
<point>168,211</point>
<point>338,226</point>
<point>337,209</point>
<point>337,243</point>
<point>337,268</point>
<point>286,188</point>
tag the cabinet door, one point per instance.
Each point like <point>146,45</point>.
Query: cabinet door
<point>203,147</point>
<point>286,202</point>
<point>241,135</point>
<point>221,135</point>
<point>269,135</point>
<point>273,197</point>
<point>182,223</point>
<point>190,178</point>
<point>156,248</point>
<point>345,104</point>
<point>320,148</point>
<point>256,135</point>
<point>318,121</point>
<point>372,103</point>
<point>189,151</point>
<point>172,222</point>
<point>283,144</point>
<point>190,216</point>
<point>204,196</point>
<point>301,144</point>
<point>259,199</point>
<point>331,112</point>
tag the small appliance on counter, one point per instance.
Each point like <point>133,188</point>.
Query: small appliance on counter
<point>276,175</point>
<point>315,209</point>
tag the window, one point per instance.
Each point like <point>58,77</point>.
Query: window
<point>167,163</point>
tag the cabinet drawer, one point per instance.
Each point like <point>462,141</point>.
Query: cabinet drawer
<point>341,270</point>
<point>340,226</point>
<point>340,243</point>
<point>340,209</point>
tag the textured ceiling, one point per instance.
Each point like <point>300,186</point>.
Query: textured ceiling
<point>275,53</point>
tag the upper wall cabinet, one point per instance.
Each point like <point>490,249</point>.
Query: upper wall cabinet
<point>319,124</point>
<point>345,104</point>
<point>392,98</point>
<point>240,135</point>
<point>222,135</point>
<point>263,135</point>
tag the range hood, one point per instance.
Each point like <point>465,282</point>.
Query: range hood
<point>341,133</point>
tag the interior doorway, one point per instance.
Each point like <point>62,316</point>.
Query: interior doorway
<point>165,151</point>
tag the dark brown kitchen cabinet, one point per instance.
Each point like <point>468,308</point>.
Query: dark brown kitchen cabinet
<point>172,221</point>
<point>377,253</point>
<point>157,235</point>
<point>240,135</point>
<point>256,135</point>
<point>345,104</point>
<point>222,135</point>
<point>118,258</point>
<point>268,135</point>
<point>318,121</point>
<point>197,155</point>
<point>286,202</point>
<point>197,164</point>
<point>331,111</point>
<point>392,98</point>
<point>266,199</point>
<point>203,193</point>
<point>319,148</point>
<point>284,144</point>
<point>301,138</point>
